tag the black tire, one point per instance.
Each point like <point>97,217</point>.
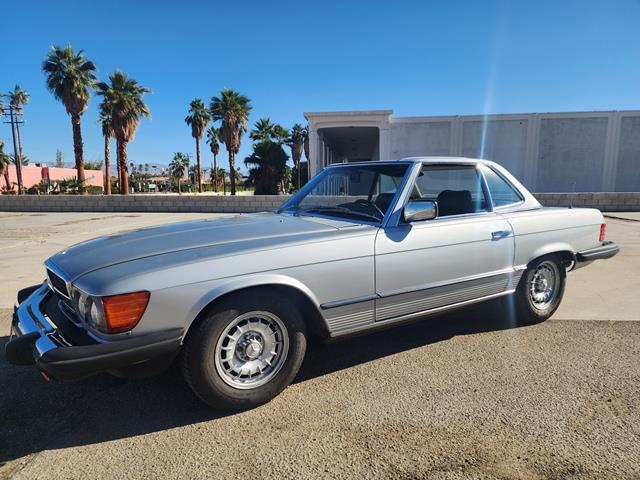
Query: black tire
<point>529,311</point>
<point>198,355</point>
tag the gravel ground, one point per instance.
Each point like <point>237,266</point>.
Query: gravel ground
<point>462,396</point>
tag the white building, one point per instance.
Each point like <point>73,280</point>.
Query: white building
<point>548,152</point>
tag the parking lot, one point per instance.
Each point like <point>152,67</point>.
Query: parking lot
<point>467,395</point>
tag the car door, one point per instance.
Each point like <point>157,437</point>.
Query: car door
<point>462,255</point>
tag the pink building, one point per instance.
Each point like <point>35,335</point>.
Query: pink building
<point>32,175</point>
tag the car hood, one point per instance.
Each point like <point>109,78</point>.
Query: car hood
<point>224,232</point>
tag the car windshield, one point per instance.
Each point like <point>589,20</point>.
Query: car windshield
<point>361,193</point>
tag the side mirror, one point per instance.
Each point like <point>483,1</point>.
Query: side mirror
<point>417,210</point>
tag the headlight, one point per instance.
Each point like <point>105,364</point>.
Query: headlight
<point>87,308</point>
<point>110,314</point>
<point>96,314</point>
<point>82,305</point>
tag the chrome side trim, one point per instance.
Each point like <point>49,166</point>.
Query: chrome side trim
<point>366,298</point>
<point>423,313</point>
<point>365,312</point>
<point>348,301</point>
<point>427,286</point>
<point>418,301</point>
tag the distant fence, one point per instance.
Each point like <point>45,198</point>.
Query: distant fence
<point>605,201</point>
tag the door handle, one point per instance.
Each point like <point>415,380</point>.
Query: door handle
<point>498,234</point>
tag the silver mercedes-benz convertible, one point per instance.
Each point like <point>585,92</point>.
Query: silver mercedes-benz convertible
<point>361,246</point>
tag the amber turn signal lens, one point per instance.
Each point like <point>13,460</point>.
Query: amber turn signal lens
<point>123,312</point>
<point>603,232</point>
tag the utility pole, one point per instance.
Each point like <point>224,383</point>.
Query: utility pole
<point>15,121</point>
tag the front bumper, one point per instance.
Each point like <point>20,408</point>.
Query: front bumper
<point>605,250</point>
<point>44,335</point>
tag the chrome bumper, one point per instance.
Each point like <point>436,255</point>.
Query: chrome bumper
<point>605,250</point>
<point>30,326</point>
<point>36,339</point>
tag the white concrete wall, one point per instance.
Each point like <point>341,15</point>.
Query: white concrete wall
<point>548,152</point>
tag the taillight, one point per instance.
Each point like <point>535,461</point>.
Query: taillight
<point>603,232</point>
<point>123,312</point>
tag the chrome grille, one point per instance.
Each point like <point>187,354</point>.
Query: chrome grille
<point>58,283</point>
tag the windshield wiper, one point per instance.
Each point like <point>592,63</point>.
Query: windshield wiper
<point>338,210</point>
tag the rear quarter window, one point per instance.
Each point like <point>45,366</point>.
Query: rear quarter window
<point>502,192</point>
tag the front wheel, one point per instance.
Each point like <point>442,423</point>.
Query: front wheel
<point>244,351</point>
<point>540,290</point>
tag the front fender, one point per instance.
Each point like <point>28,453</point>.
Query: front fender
<point>231,285</point>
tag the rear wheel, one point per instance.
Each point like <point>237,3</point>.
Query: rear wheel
<point>540,290</point>
<point>244,351</point>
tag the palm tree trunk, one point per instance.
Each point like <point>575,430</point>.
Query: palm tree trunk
<point>6,179</point>
<point>77,150</point>
<point>107,166</point>
<point>232,171</point>
<point>198,173</point>
<point>118,172</point>
<point>124,171</point>
<point>215,173</point>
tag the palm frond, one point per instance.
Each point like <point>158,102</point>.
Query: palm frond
<point>198,118</point>
<point>69,77</point>
<point>123,97</point>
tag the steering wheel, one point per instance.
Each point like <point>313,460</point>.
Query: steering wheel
<point>370,204</point>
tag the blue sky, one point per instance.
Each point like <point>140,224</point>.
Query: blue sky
<point>415,57</point>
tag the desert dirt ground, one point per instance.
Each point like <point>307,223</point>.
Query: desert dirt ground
<point>466,395</point>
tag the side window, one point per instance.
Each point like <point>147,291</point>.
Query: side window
<point>456,188</point>
<point>502,192</point>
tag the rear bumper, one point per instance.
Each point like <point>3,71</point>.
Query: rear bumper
<point>43,335</point>
<point>606,250</point>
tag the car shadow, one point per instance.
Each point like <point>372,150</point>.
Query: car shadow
<point>38,415</point>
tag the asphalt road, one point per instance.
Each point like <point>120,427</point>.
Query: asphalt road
<point>470,395</point>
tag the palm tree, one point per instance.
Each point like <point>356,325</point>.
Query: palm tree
<point>198,119</point>
<point>108,134</point>
<point>232,110</point>
<point>124,97</point>
<point>24,160</point>
<point>178,166</point>
<point>262,130</point>
<point>213,138</point>
<point>265,131</point>
<point>269,162</point>
<point>280,134</point>
<point>5,161</point>
<point>220,173</point>
<point>69,77</point>
<point>307,155</point>
<point>18,98</point>
<point>192,173</point>
<point>296,142</point>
